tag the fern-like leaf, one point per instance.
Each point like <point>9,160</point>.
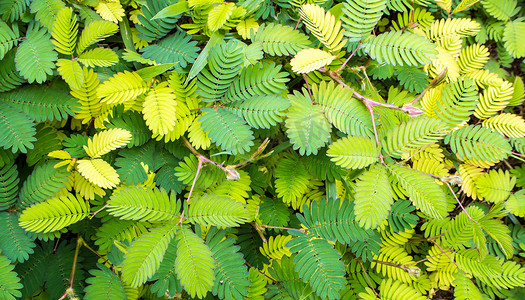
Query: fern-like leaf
<point>224,63</point>
<point>65,31</point>
<point>291,179</point>
<point>398,48</point>
<point>254,80</point>
<point>143,204</point>
<point>145,253</point>
<point>194,263</point>
<point>95,32</point>
<point>71,72</point>
<point>479,143</point>
<point>448,28</point>
<point>36,55</point>
<point>458,101</point>
<point>54,214</point>
<point>44,182</point>
<point>219,15</point>
<point>485,269</point>
<point>98,172</point>
<point>230,272</point>
<point>159,109</point>
<point>122,87</point>
<point>307,127</point>
<point>361,16</point>
<point>510,125</point>
<point>46,11</point>
<point>344,112</point>
<point>151,28</point>
<point>227,130</point>
<point>106,141</point>
<point>104,285</point>
<point>422,190</point>
<point>260,111</point>
<point>502,11</point>
<point>513,37</point>
<point>11,10</point>
<point>280,40</point>
<point>413,135</point>
<point>16,129</point>
<point>495,186</point>
<point>373,197</point>
<point>14,243</point>
<point>354,152</point>
<point>42,103</point>
<point>111,11</point>
<point>9,37</point>
<point>472,58</point>
<point>323,26</point>
<point>216,211</point>
<point>175,48</point>
<point>9,280</point>
<point>8,185</point>
<point>311,262</point>
<point>98,57</point>
<point>308,60</point>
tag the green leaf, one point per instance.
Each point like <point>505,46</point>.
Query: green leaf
<point>360,17</point>
<point>307,127</point>
<point>218,15</point>
<point>98,57</point>
<point>54,214</point>
<point>227,130</point>
<point>9,281</point>
<point>16,129</point>
<point>216,211</point>
<point>95,32</point>
<point>230,271</point>
<point>143,204</point>
<point>41,102</point>
<point>513,36</point>
<point>36,55</point>
<point>65,31</point>
<point>422,190</point>
<point>319,264</point>
<point>71,72</point>
<point>400,48</point>
<point>8,185</point>
<point>175,48</point>
<point>9,37</point>
<point>172,10</point>
<point>354,152</point>
<point>104,284</point>
<point>194,263</point>
<point>43,183</point>
<point>14,243</point>
<point>373,197</point>
<point>145,253</point>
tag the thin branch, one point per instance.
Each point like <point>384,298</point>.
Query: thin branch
<point>255,154</point>
<point>430,85</point>
<point>101,209</point>
<point>259,230</point>
<point>368,278</point>
<point>70,292</point>
<point>444,252</point>
<point>348,59</point>
<point>199,167</point>
<point>427,258</point>
<point>459,202</point>
<point>308,88</point>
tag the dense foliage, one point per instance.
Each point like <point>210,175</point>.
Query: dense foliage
<point>288,149</point>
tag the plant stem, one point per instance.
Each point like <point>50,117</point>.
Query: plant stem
<point>348,59</point>
<point>70,291</point>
